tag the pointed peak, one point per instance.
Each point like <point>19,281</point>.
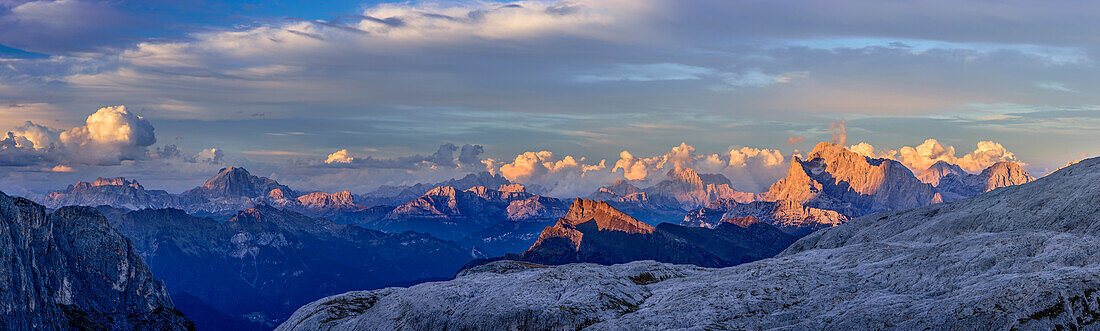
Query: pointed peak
<point>513,188</point>
<point>945,167</point>
<point>233,170</point>
<point>682,174</point>
<point>1004,166</point>
<point>479,190</point>
<point>605,216</point>
<point>442,191</point>
<point>825,146</point>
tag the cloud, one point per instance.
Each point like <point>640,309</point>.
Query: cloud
<point>442,158</point>
<point>60,168</point>
<point>40,137</point>
<point>756,78</point>
<point>839,132</point>
<point>60,25</point>
<point>750,169</point>
<point>564,176</point>
<point>1056,86</point>
<point>209,155</point>
<point>109,136</point>
<point>645,73</point>
<point>920,157</point>
<point>470,155</point>
<point>795,140</point>
<point>340,156</point>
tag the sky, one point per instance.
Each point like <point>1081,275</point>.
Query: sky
<point>566,95</point>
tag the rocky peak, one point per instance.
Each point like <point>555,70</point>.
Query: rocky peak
<point>743,222</point>
<point>838,179</point>
<point>317,200</point>
<point>1005,173</point>
<point>722,204</point>
<point>998,175</point>
<point>605,217</point>
<point>117,181</point>
<point>277,195</point>
<point>238,182</point>
<point>513,188</point>
<point>444,191</point>
<point>686,176</point>
<point>620,188</point>
<point>938,171</point>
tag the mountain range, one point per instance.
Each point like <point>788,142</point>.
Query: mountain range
<point>1017,257</point>
<point>243,252</point>
<point>266,261</point>
<point>595,232</point>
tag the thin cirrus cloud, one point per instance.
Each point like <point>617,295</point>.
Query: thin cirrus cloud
<point>644,73</point>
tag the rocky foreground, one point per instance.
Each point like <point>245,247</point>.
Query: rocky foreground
<point>1025,257</point>
<point>69,270</point>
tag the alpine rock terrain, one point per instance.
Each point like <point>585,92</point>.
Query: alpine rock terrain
<point>595,232</point>
<point>492,219</point>
<point>395,195</point>
<point>939,170</point>
<point>681,190</point>
<point>1018,257</point>
<point>835,178</point>
<point>964,185</point>
<point>788,216</point>
<point>265,262</point>
<point>232,189</point>
<point>117,192</point>
<point>68,270</point>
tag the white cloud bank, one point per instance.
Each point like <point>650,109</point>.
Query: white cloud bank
<point>920,157</point>
<point>107,137</point>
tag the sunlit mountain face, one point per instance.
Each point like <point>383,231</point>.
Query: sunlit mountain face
<point>252,157</point>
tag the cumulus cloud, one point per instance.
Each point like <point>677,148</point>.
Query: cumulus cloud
<point>920,157</point>
<point>470,155</point>
<point>795,140</point>
<point>444,157</point>
<point>340,156</point>
<point>109,136</point>
<point>560,176</point>
<point>750,169</point>
<point>209,155</point>
<point>39,137</point>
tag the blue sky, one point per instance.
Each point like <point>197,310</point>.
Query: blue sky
<point>280,87</point>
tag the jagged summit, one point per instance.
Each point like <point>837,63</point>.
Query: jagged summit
<point>342,199</point>
<point>594,231</point>
<point>116,181</point>
<point>451,213</point>
<point>1005,173</point>
<point>939,170</point>
<point>238,182</point>
<point>118,192</point>
<point>388,194</point>
<point>681,189</point>
<point>998,175</point>
<point>606,218</point>
<point>690,177</point>
<point>832,177</point>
